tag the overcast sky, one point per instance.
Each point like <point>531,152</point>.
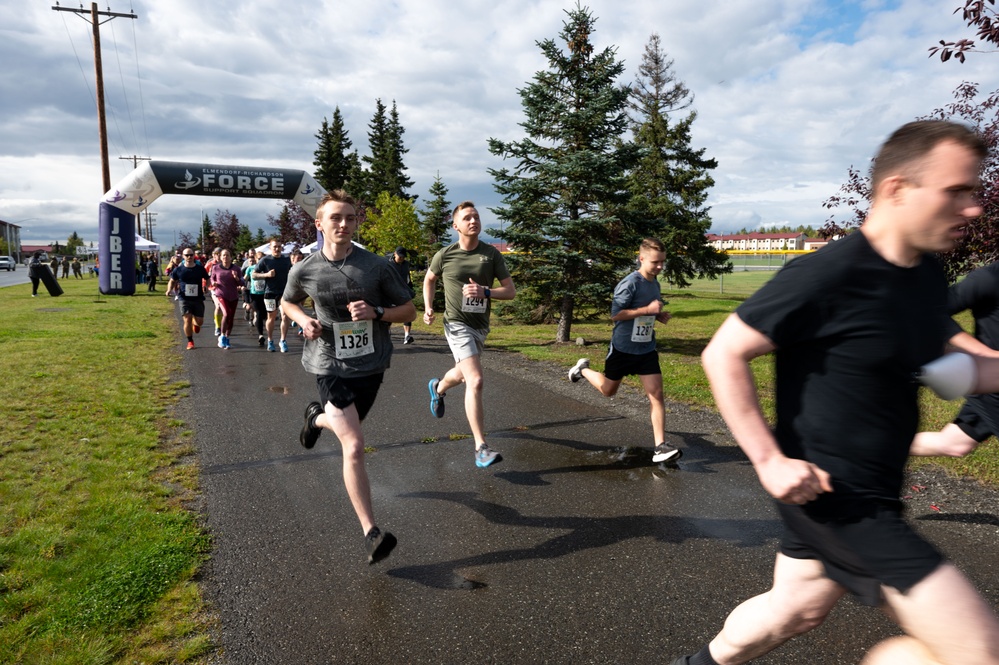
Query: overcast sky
<point>790,93</point>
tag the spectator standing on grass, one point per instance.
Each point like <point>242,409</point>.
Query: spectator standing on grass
<point>152,269</point>
<point>54,265</point>
<point>77,268</point>
<point>35,266</point>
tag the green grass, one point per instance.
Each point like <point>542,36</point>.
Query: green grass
<point>97,549</point>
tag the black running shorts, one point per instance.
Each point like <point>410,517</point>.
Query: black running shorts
<point>620,364</point>
<point>978,417</point>
<point>861,553</point>
<point>360,391</point>
<point>195,308</point>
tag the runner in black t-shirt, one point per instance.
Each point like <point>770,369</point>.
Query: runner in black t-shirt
<point>979,417</point>
<point>187,280</point>
<point>274,271</point>
<point>849,327</point>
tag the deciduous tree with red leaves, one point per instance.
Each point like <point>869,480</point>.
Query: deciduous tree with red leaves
<point>975,109</point>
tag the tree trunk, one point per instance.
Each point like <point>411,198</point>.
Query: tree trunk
<point>565,321</point>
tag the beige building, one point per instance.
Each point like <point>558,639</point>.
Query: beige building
<point>758,242</point>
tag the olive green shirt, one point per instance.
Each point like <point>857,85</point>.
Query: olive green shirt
<point>455,266</point>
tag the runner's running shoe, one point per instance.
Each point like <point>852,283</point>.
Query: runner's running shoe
<point>310,433</point>
<point>284,346</point>
<point>484,457</point>
<point>379,544</point>
<point>576,373</point>
<point>666,453</point>
<point>436,399</point>
<point>270,345</point>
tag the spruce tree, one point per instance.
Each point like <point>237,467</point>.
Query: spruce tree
<point>565,201</point>
<point>376,178</point>
<point>435,218</point>
<point>398,183</point>
<point>670,184</point>
<point>386,171</point>
<point>332,155</point>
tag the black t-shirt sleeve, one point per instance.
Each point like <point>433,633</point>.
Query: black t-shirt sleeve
<point>789,308</point>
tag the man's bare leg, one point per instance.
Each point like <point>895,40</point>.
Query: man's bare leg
<point>469,372</point>
<point>946,623</point>
<point>800,599</point>
<point>653,384</point>
<point>345,424</point>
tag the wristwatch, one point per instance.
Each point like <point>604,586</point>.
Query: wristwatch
<point>379,312</point>
<point>487,291</point>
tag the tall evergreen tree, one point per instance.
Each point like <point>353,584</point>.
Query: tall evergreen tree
<point>669,186</point>
<point>386,170</point>
<point>333,155</point>
<point>565,201</point>
<point>398,182</point>
<point>376,180</point>
<point>435,218</point>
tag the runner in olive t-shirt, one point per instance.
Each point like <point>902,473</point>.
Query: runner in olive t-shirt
<point>469,270</point>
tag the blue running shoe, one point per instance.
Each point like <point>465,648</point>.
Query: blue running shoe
<point>221,342</point>
<point>225,342</point>
<point>284,346</point>
<point>484,457</point>
<point>270,345</point>
<point>436,399</point>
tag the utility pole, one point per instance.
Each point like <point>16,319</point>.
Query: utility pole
<point>150,223</point>
<point>99,68</point>
<point>135,161</point>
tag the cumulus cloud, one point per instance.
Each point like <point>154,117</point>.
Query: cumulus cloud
<point>789,93</point>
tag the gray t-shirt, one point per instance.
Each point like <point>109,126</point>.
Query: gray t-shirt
<point>352,349</point>
<point>636,336</point>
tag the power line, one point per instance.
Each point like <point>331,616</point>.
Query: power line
<point>99,71</point>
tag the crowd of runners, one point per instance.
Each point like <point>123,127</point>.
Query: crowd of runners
<point>853,329</point>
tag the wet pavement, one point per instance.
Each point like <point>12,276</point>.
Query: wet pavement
<point>574,549</point>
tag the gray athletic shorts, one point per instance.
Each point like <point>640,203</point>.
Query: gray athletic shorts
<point>464,340</point>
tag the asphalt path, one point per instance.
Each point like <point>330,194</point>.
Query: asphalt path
<point>574,549</point>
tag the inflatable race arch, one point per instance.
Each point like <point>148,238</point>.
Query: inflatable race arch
<point>133,194</point>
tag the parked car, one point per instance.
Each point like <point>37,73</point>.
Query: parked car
<point>8,263</point>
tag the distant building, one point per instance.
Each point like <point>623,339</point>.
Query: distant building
<point>812,244</point>
<point>11,234</point>
<point>757,242</point>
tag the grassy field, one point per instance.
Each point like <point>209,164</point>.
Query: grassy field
<point>97,549</point>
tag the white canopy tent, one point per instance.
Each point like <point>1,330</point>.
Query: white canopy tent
<point>143,245</point>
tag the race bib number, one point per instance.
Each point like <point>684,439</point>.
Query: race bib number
<point>642,329</point>
<point>353,339</point>
<point>190,290</point>
<point>258,285</point>
<point>473,305</point>
<point>270,304</point>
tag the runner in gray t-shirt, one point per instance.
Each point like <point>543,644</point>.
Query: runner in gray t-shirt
<point>356,295</point>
